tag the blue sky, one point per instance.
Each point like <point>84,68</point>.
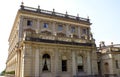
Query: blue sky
<point>104,15</point>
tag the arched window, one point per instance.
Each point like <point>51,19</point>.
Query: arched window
<point>46,62</point>
<point>80,63</point>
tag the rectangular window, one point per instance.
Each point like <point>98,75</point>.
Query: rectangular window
<point>29,23</point>
<point>80,68</point>
<point>64,65</point>
<point>45,25</point>
<point>84,31</point>
<point>60,27</point>
<point>117,66</point>
<point>72,29</point>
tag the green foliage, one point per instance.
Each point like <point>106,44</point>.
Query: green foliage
<point>2,73</point>
<point>11,72</point>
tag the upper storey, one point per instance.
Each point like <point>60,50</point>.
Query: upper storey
<point>48,26</point>
<point>54,14</point>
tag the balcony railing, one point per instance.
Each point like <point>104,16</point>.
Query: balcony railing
<point>39,37</point>
<point>38,10</point>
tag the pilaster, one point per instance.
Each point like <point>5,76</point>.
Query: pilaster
<point>56,63</point>
<point>73,64</point>
<point>79,33</point>
<point>53,28</point>
<point>38,26</point>
<point>18,63</point>
<point>88,63</point>
<point>67,30</point>
<point>37,63</point>
<point>20,29</point>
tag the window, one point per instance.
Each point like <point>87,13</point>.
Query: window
<point>46,62</point>
<point>80,63</point>
<point>60,27</point>
<point>84,31</point>
<point>29,23</point>
<point>116,62</point>
<point>64,65</point>
<point>72,29</point>
<point>45,25</point>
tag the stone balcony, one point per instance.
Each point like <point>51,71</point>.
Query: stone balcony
<point>49,38</point>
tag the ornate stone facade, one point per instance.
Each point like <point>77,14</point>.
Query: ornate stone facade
<point>109,60</point>
<point>46,43</point>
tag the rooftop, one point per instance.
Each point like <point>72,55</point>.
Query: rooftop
<point>53,13</point>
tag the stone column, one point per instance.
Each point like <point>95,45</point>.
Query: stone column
<point>79,33</point>
<point>89,66</point>
<point>73,64</point>
<point>56,63</point>
<point>18,63</point>
<point>37,63</point>
<point>22,62</point>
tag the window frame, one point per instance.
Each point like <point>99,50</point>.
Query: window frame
<point>46,60</point>
<point>116,63</point>
<point>72,29</point>
<point>64,65</point>
<point>80,66</point>
<point>29,22</point>
<point>45,25</point>
<point>60,27</point>
<point>84,31</point>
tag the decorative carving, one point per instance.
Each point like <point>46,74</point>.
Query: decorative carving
<point>46,32</point>
<point>61,34</point>
<point>29,30</point>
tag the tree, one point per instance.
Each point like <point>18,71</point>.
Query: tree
<point>2,73</point>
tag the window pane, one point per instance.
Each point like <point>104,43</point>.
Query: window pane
<point>84,31</point>
<point>45,25</point>
<point>80,68</point>
<point>80,63</point>
<point>46,62</point>
<point>64,65</point>
<point>29,23</point>
<point>117,66</point>
<point>60,27</point>
<point>72,29</point>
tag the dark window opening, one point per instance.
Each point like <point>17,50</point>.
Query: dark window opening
<point>60,27</point>
<point>72,29</point>
<point>29,23</point>
<point>45,67</point>
<point>46,56</point>
<point>84,31</point>
<point>117,66</point>
<point>46,62</point>
<point>45,25</point>
<point>99,68</point>
<point>80,68</point>
<point>64,65</point>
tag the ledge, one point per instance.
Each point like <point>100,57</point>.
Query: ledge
<point>56,41</point>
